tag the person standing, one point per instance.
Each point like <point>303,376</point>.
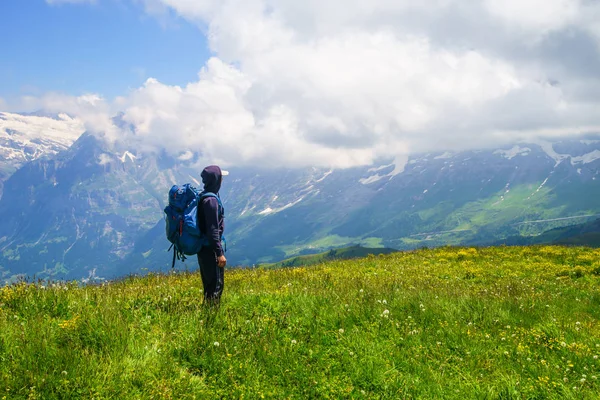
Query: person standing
<point>211,257</point>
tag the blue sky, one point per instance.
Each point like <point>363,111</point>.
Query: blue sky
<point>108,47</point>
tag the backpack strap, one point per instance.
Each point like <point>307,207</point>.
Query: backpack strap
<point>204,195</point>
<point>174,255</point>
<point>177,254</point>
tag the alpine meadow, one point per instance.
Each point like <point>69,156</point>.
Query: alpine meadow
<point>454,323</point>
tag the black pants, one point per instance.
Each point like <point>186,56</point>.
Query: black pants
<point>212,275</point>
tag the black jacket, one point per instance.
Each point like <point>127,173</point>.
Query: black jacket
<point>210,220</point>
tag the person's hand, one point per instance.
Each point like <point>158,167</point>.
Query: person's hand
<point>221,261</point>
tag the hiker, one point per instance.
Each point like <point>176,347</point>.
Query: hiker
<point>211,258</point>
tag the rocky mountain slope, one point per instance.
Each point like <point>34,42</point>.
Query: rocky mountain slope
<point>93,211</point>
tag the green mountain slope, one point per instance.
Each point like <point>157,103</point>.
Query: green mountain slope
<point>345,253</point>
<point>96,210</point>
<point>451,323</point>
<point>584,234</point>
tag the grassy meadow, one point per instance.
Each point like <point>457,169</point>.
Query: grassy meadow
<point>456,323</point>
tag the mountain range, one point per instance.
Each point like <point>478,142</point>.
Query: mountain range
<point>75,207</point>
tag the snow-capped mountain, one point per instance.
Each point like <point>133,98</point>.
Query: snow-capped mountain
<point>92,210</point>
<point>25,138</point>
<point>432,199</point>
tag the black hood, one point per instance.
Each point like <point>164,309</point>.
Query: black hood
<point>211,177</point>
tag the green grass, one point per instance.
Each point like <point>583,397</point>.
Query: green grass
<point>456,323</point>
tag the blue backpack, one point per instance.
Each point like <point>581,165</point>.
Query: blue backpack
<point>182,221</point>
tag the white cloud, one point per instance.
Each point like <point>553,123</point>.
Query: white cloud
<point>361,79</point>
<point>92,110</point>
<point>538,16</point>
<point>210,117</point>
<point>104,159</point>
<point>344,82</point>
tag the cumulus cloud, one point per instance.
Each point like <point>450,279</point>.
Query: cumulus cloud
<point>211,118</point>
<point>347,82</point>
<point>361,79</point>
<point>92,110</point>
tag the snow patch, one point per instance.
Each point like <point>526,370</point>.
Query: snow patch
<point>290,204</point>
<point>399,166</point>
<point>549,150</point>
<point>443,156</point>
<point>513,152</point>
<point>324,176</point>
<point>247,209</point>
<point>375,169</point>
<point>538,189</point>
<point>371,179</point>
<point>586,158</point>
<point>400,163</point>
<point>188,155</point>
<point>127,155</point>
<point>270,210</point>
